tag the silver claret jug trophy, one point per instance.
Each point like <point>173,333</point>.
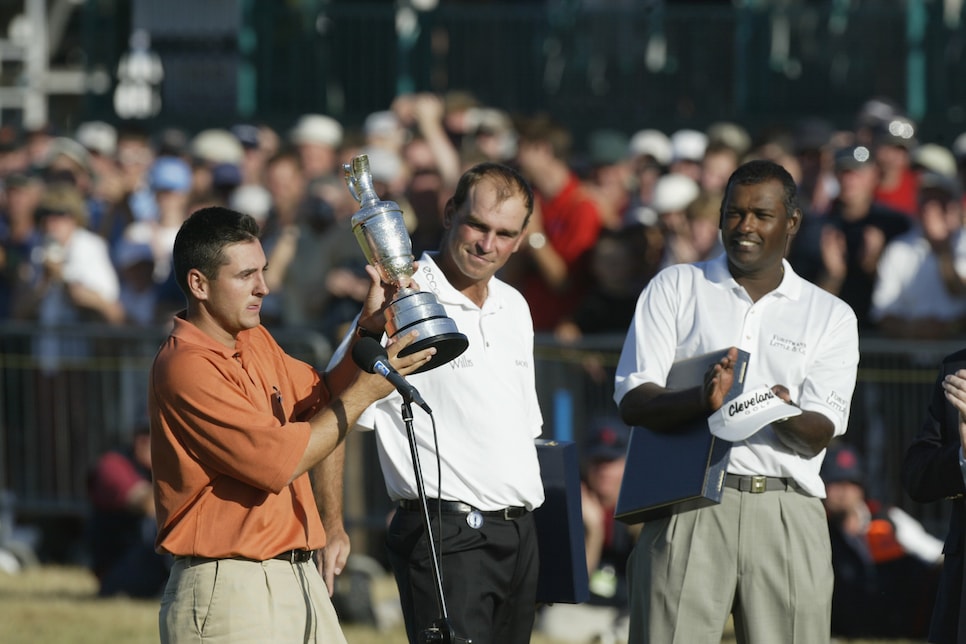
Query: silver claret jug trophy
<point>381,232</point>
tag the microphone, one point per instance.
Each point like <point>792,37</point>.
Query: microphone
<point>370,356</point>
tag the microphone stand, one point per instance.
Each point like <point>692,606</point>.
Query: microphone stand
<point>440,630</point>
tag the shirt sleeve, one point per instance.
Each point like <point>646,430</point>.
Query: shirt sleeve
<point>830,381</point>
<point>651,342</point>
<point>90,266</point>
<point>891,276</point>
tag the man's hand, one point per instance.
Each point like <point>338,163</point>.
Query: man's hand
<point>718,380</point>
<point>873,243</point>
<point>376,386</point>
<point>378,299</point>
<point>332,559</point>
<point>935,229</point>
<point>954,387</point>
<point>373,316</point>
<point>782,392</point>
<point>834,258</point>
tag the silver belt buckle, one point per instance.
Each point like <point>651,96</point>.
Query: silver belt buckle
<point>758,484</point>
<point>474,519</point>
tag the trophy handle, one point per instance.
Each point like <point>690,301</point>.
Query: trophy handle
<point>351,181</point>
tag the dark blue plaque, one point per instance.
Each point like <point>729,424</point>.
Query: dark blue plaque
<point>668,472</point>
<point>560,526</point>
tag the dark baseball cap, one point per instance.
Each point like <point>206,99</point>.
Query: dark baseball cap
<point>607,439</point>
<point>899,131</point>
<point>246,134</point>
<point>852,157</point>
<point>935,182</point>
<point>842,464</point>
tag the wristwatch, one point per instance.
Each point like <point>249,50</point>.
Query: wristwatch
<point>363,332</point>
<point>537,240</point>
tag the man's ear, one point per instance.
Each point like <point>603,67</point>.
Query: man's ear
<point>197,284</point>
<point>794,222</point>
<point>449,210</point>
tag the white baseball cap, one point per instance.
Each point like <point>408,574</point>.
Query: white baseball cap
<point>318,129</point>
<point>98,136</point>
<point>688,145</point>
<point>959,146</point>
<point>743,416</point>
<point>674,192</point>
<point>653,143</point>
<point>935,158</point>
<point>217,145</point>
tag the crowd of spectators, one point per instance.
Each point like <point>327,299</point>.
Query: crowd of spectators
<point>87,218</point>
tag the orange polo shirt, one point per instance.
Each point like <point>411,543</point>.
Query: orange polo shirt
<point>227,430</point>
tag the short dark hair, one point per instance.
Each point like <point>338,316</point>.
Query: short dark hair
<point>202,239</point>
<point>544,129</point>
<point>509,182</point>
<point>762,171</point>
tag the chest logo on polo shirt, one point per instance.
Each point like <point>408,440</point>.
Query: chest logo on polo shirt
<point>787,344</point>
<point>461,362</point>
<point>430,281</point>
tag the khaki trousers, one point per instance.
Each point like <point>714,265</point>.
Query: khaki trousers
<point>765,557</point>
<point>233,601</point>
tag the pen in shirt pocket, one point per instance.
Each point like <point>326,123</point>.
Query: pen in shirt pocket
<point>277,409</point>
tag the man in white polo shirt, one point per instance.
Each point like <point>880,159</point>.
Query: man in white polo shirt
<point>763,553</point>
<point>479,463</point>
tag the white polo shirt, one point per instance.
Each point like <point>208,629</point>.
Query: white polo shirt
<point>484,402</point>
<point>909,283</point>
<point>798,336</point>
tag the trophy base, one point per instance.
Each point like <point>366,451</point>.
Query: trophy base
<point>448,346</point>
<point>420,311</point>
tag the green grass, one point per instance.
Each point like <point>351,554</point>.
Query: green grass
<point>59,604</point>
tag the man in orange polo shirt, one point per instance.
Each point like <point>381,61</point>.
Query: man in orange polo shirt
<point>236,424</point>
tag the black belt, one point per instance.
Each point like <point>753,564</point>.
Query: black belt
<point>291,556</point>
<point>295,556</point>
<point>759,484</point>
<point>458,507</point>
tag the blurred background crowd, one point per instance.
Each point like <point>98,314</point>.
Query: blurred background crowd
<point>89,216</point>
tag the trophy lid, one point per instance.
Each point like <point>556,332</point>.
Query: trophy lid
<point>358,178</point>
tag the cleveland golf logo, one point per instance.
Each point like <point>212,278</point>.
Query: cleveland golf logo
<point>751,403</point>
<point>748,413</point>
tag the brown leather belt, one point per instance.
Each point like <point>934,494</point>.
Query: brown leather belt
<point>458,507</point>
<point>759,484</point>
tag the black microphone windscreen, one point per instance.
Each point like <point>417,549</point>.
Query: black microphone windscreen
<point>365,353</point>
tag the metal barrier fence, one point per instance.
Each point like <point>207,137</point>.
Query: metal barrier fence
<point>59,411</point>
<point>67,394</point>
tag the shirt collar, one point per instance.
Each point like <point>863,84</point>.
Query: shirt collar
<point>718,273</point>
<point>431,278</point>
<point>187,332</point>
